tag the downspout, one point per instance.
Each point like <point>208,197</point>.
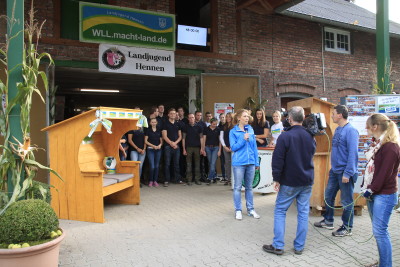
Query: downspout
<point>323,58</point>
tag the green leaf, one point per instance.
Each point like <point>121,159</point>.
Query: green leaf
<point>37,164</point>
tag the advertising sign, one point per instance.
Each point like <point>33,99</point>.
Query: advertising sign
<point>135,60</point>
<point>263,181</point>
<point>388,104</point>
<point>126,26</point>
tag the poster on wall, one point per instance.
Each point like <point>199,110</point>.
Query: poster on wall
<point>223,108</point>
<point>136,60</point>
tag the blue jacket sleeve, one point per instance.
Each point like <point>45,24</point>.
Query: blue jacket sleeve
<point>352,161</point>
<point>254,145</point>
<point>235,141</point>
<point>278,159</point>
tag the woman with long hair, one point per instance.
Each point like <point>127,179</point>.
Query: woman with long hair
<point>153,140</point>
<point>211,148</point>
<point>226,147</point>
<point>261,128</point>
<point>380,181</point>
<point>277,128</point>
<point>244,161</point>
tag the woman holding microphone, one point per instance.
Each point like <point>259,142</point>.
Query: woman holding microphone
<point>380,181</point>
<point>244,162</point>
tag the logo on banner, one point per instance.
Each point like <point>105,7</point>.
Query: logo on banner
<point>113,58</point>
<point>162,22</point>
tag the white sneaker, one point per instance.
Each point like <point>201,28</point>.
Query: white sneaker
<point>238,215</point>
<point>254,214</point>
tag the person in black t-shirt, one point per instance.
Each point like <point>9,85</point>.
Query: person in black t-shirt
<point>226,147</point>
<point>198,115</point>
<point>153,140</point>
<point>191,144</point>
<point>172,135</point>
<point>137,146</point>
<point>222,121</point>
<point>211,148</point>
<point>261,128</point>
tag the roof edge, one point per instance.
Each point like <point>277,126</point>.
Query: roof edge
<point>334,23</point>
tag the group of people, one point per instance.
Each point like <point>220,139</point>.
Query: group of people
<point>292,165</point>
<point>293,175</point>
<point>190,146</point>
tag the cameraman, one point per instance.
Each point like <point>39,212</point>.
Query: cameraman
<point>293,174</point>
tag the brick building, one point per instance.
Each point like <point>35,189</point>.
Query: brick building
<point>286,51</point>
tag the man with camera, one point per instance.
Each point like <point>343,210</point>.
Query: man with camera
<point>293,175</point>
<point>343,173</point>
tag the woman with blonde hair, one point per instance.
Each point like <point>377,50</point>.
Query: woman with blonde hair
<point>380,180</point>
<point>277,128</point>
<point>244,162</point>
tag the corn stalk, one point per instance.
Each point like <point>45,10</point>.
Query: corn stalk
<point>17,160</point>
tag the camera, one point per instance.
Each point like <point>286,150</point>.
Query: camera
<point>285,115</point>
<point>315,123</point>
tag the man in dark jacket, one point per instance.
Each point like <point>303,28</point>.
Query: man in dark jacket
<point>293,174</point>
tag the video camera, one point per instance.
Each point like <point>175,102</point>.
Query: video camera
<point>315,123</point>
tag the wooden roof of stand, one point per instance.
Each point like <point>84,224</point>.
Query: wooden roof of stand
<point>94,116</point>
<point>266,7</point>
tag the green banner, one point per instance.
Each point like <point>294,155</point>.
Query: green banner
<point>126,26</point>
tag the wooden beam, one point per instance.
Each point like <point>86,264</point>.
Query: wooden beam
<point>245,3</point>
<point>266,5</point>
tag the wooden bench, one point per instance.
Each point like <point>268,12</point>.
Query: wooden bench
<point>86,184</point>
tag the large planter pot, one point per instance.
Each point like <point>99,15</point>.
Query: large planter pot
<point>44,255</point>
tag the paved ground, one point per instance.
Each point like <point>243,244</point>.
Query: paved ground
<point>195,226</point>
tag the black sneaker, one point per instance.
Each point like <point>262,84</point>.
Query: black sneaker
<point>214,181</point>
<point>323,224</point>
<point>298,252</point>
<point>208,182</point>
<point>271,249</point>
<point>198,182</point>
<point>189,183</point>
<point>342,231</point>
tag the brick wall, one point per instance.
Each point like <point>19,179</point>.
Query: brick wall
<point>285,52</point>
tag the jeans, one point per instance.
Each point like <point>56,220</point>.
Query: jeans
<point>174,154</point>
<point>228,164</point>
<point>286,196</point>
<point>380,208</point>
<point>136,156</point>
<point>153,156</point>
<point>193,153</point>
<point>222,160</point>
<point>245,172</point>
<point>212,155</point>
<point>346,197</point>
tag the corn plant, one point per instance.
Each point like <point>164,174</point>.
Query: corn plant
<point>17,160</point>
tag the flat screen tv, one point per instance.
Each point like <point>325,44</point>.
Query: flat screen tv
<point>192,35</point>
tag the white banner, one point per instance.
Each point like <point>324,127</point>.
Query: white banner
<point>263,181</point>
<point>135,60</point>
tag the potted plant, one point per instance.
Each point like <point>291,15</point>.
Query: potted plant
<point>28,227</point>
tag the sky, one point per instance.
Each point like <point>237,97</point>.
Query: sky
<point>394,5</point>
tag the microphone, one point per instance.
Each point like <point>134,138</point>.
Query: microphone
<point>246,129</point>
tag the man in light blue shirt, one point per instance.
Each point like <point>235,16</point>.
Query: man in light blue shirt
<point>343,173</point>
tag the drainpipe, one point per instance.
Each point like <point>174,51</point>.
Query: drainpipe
<point>323,57</point>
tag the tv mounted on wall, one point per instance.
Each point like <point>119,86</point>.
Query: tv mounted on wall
<point>190,35</point>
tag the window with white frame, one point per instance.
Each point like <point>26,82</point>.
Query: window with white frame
<point>337,40</point>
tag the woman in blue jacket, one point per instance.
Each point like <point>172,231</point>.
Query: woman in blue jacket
<point>244,162</point>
